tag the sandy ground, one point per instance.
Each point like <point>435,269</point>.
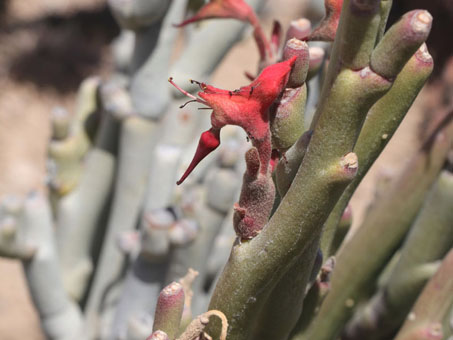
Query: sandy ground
<point>26,100</point>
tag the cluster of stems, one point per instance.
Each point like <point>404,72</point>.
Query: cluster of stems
<point>137,257</point>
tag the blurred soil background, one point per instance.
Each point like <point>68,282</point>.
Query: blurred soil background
<point>48,47</point>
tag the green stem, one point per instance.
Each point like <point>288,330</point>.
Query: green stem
<point>284,305</point>
<point>381,123</point>
<point>169,310</point>
<point>364,257</point>
<point>428,241</point>
<point>433,304</point>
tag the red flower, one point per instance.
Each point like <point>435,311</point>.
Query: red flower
<point>235,9</point>
<point>247,107</point>
<point>328,27</point>
<point>240,10</point>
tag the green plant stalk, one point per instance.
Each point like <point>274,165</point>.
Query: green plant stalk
<point>169,309</point>
<point>381,123</point>
<point>287,125</point>
<point>145,43</point>
<point>361,260</point>
<point>137,14</point>
<point>195,254</point>
<point>362,89</point>
<point>429,240</point>
<point>139,135</point>
<point>79,212</point>
<point>386,6</point>
<point>351,50</point>
<point>67,153</point>
<point>359,26</point>
<point>412,27</point>
<point>385,274</point>
<point>314,297</point>
<point>137,139</point>
<point>284,304</point>
<point>344,225</point>
<point>431,307</point>
<point>354,42</point>
<point>287,167</point>
<point>145,277</point>
<point>145,19</point>
<point>60,317</point>
<point>139,294</point>
<point>255,267</point>
<point>150,94</point>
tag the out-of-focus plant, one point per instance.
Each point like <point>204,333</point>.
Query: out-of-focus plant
<point>127,235</point>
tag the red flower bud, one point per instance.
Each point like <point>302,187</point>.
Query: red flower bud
<point>209,141</point>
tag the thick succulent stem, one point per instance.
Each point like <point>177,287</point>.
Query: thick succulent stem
<point>315,296</point>
<point>255,266</point>
<point>435,301</point>
<point>284,304</point>
<point>386,6</point>
<point>149,93</point>
<point>381,123</point>
<point>138,136</point>
<point>402,40</point>
<point>137,14</point>
<point>71,140</point>
<point>354,42</point>
<point>347,97</point>
<point>145,277</point>
<point>80,211</point>
<point>145,43</point>
<point>194,252</point>
<point>428,241</point>
<point>287,167</point>
<point>169,309</point>
<point>60,317</point>
<point>342,229</point>
<point>391,217</point>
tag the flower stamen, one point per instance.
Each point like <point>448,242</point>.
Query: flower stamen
<point>184,92</point>
<point>187,102</point>
<point>200,84</point>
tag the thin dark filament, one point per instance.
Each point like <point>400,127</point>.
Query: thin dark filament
<point>189,101</point>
